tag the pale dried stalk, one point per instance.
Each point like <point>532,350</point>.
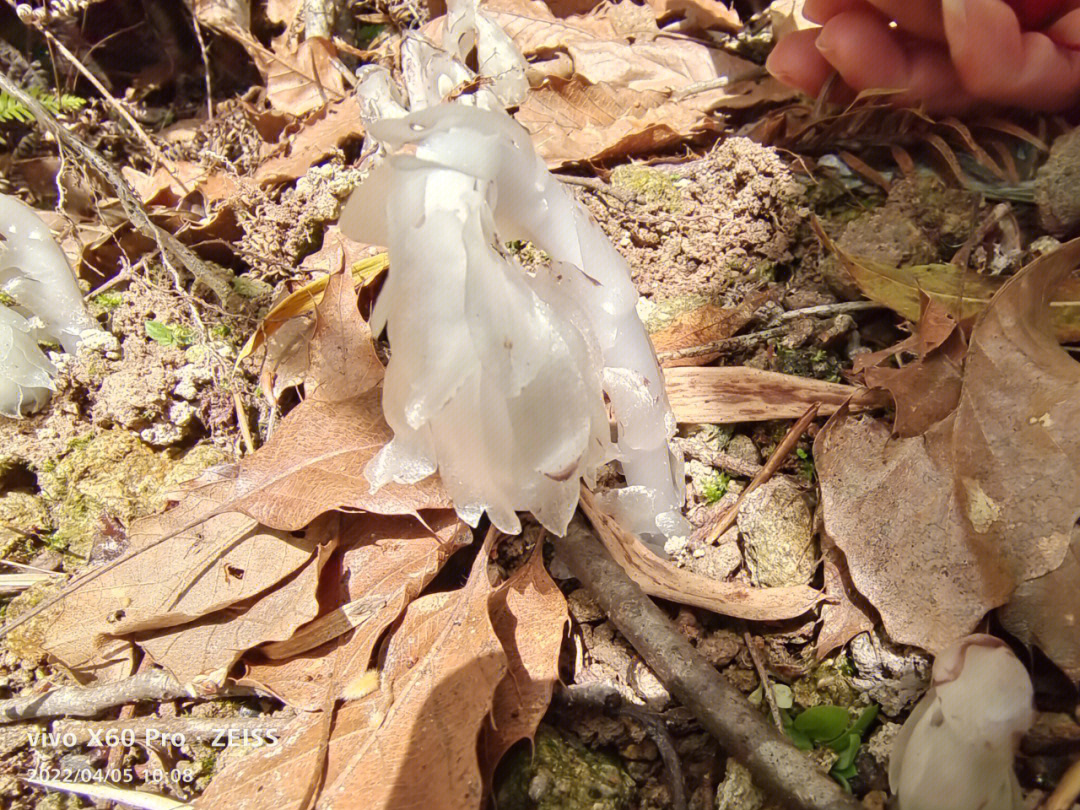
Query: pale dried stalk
<point>1067,790</point>
<point>86,701</point>
<point>763,676</point>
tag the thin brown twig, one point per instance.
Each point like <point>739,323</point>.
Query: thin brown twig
<point>763,676</point>
<point>696,449</point>
<point>242,421</point>
<point>133,207</point>
<point>726,520</point>
<point>597,185</point>
<point>723,345</point>
<point>717,83</point>
<point>753,338</point>
<point>829,309</point>
<point>775,764</point>
<point>87,701</point>
<point>206,68</point>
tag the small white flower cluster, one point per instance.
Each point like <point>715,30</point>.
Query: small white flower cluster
<point>48,306</point>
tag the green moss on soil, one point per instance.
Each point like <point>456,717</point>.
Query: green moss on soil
<point>562,774</point>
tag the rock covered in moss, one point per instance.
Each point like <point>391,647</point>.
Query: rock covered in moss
<point>1057,185</point>
<point>22,516</point>
<point>562,774</point>
<point>778,536</point>
<point>922,221</point>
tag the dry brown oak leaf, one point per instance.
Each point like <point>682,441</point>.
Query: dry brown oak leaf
<point>390,561</point>
<point>530,616</point>
<point>940,528</point>
<point>312,464</point>
<point>206,568</point>
<point>1045,612</point>
<point>410,743</point>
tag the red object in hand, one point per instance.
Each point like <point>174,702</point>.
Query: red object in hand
<point>1034,14</point>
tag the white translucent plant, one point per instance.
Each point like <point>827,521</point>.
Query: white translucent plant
<point>498,378</point>
<point>47,306</point>
<point>955,752</point>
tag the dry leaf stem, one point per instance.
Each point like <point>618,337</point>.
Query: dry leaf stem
<point>763,676</point>
<point>776,765</point>
<point>86,701</point>
<point>783,450</point>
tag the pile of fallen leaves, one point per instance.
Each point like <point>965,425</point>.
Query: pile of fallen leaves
<point>969,501</point>
<point>285,563</point>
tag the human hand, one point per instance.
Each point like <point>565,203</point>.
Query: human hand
<point>946,55</point>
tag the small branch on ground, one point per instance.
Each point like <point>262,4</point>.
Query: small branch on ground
<point>715,530</point>
<point>133,207</point>
<point>698,450</point>
<point>753,338</point>
<point>86,701</point>
<point>777,766</point>
<point>607,700</point>
<point>824,310</point>
<point>597,185</point>
<point>763,676</point>
<point>725,345</point>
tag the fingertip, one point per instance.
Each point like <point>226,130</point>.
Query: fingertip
<point>1065,31</point>
<point>821,11</point>
<point>865,51</point>
<point>999,62</point>
<point>796,62</point>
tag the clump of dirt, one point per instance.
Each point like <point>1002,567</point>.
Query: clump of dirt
<point>921,221</point>
<point>1056,183</point>
<point>165,381</point>
<point>279,233</point>
<point>708,227</point>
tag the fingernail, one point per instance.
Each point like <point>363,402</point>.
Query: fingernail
<point>955,12</point>
<point>824,42</point>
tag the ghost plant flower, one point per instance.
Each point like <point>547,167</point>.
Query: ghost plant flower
<point>498,377</point>
<point>43,302</point>
<point>955,752</point>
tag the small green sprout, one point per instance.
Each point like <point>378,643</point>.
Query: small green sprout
<point>806,464</point>
<point>170,334</point>
<point>108,300</point>
<point>832,727</point>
